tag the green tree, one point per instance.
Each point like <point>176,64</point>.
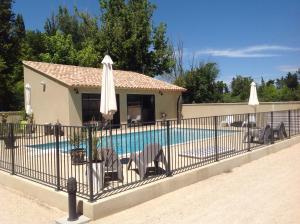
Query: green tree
<point>201,84</point>
<point>12,32</point>
<point>222,87</point>
<point>51,26</point>
<point>240,87</point>
<point>288,94</point>
<point>291,80</point>
<point>59,49</point>
<point>80,25</point>
<point>163,61</point>
<point>88,56</point>
<point>127,33</point>
<point>34,45</point>
<point>268,93</point>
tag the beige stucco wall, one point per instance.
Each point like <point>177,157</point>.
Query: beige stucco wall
<point>166,103</point>
<point>51,105</point>
<point>60,103</point>
<point>215,109</point>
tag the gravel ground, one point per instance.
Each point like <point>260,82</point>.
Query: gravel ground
<point>263,191</point>
<point>17,208</point>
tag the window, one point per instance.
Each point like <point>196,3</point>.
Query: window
<point>91,108</point>
<point>140,108</point>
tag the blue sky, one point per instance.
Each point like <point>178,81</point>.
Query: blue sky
<point>259,38</point>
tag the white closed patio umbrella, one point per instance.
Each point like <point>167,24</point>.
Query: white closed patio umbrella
<point>253,100</point>
<point>27,94</point>
<point>108,104</point>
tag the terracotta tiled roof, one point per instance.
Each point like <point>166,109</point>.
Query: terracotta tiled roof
<point>76,76</point>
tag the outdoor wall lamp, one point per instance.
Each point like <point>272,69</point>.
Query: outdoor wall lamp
<point>76,90</point>
<point>43,86</point>
<point>160,93</point>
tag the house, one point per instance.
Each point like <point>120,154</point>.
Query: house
<point>71,95</point>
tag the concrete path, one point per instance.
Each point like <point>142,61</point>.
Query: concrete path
<point>16,208</point>
<point>264,191</point>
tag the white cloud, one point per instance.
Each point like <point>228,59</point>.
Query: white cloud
<point>288,68</point>
<point>257,51</point>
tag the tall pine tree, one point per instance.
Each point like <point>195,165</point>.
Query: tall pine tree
<point>12,32</point>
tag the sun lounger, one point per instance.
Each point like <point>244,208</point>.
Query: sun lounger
<point>279,131</point>
<point>136,120</point>
<point>142,160</point>
<point>48,129</point>
<point>228,121</point>
<point>259,135</point>
<point>51,130</point>
<point>251,122</point>
<point>111,162</point>
<point>207,153</point>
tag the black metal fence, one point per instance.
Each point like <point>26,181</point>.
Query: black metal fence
<point>106,160</point>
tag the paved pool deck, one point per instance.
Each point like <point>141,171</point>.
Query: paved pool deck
<point>263,191</point>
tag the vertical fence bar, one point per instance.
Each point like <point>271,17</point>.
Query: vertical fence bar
<point>289,123</point>
<point>272,134</point>
<point>168,150</point>
<point>248,132</point>
<point>90,173</point>
<point>11,140</point>
<point>56,128</point>
<point>216,137</point>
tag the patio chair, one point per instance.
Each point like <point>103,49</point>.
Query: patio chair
<point>279,131</point>
<point>228,121</point>
<point>207,153</point>
<point>29,129</point>
<point>48,130</point>
<point>151,153</point>
<point>111,161</point>
<point>259,135</point>
<point>251,122</point>
<point>60,130</point>
<point>137,119</point>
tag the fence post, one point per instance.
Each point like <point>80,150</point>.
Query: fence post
<point>168,150</point>
<point>56,132</point>
<point>272,134</point>
<point>248,133</point>
<point>72,190</point>
<point>216,137</point>
<point>289,123</point>
<point>11,139</point>
<point>90,163</point>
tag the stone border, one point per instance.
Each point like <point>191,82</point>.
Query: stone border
<point>124,200</point>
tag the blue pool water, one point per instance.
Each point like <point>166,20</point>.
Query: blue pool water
<point>136,141</point>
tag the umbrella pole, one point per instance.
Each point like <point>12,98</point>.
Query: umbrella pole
<point>255,110</point>
<point>110,133</point>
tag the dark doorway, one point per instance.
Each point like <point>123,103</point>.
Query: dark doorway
<point>140,108</point>
<point>91,109</point>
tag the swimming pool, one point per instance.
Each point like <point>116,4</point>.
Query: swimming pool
<point>136,141</point>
